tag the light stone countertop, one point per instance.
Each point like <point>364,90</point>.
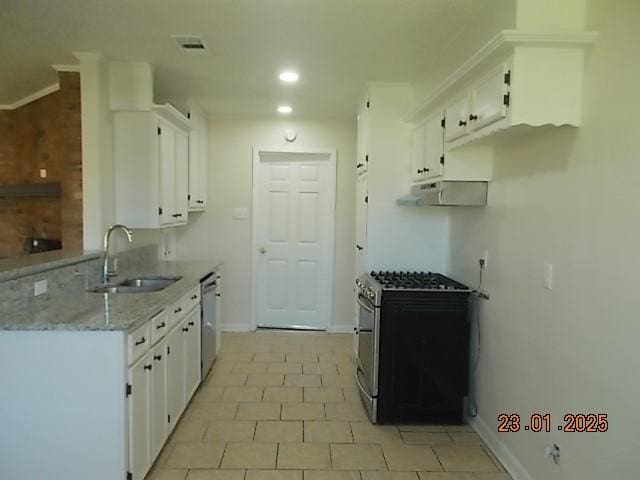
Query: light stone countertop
<point>85,311</point>
<point>12,268</point>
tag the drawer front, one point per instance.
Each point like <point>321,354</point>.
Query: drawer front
<point>177,312</point>
<point>139,342</point>
<point>159,326</point>
<point>192,299</point>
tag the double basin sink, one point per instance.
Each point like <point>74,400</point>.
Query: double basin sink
<point>136,285</point>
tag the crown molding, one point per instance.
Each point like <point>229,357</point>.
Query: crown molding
<point>501,44</point>
<point>66,68</point>
<point>31,98</point>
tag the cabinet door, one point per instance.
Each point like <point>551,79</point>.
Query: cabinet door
<point>362,155</point>
<point>139,418</point>
<point>181,178</point>
<point>167,151</point>
<point>457,117</point>
<point>488,97</point>
<point>194,166</point>
<point>175,374</point>
<point>159,427</point>
<point>192,366</point>
<point>361,224</point>
<point>218,312</point>
<point>204,155</point>
<point>418,139</point>
<point>434,146</point>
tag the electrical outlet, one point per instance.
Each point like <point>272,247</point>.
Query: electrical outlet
<point>485,258</point>
<point>553,452</point>
<point>547,281</point>
<point>40,287</point>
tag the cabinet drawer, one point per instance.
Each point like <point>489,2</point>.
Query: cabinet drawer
<point>192,298</point>
<point>159,326</point>
<point>139,342</point>
<point>177,312</point>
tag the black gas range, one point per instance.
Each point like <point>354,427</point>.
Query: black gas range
<point>413,346</point>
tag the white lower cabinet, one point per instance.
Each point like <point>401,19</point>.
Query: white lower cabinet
<point>139,395</point>
<point>158,418</point>
<point>192,371</point>
<point>161,383</point>
<point>175,375</point>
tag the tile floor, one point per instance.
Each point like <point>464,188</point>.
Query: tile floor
<point>284,406</point>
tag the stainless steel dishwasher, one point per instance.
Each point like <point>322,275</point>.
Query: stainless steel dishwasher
<point>209,286</point>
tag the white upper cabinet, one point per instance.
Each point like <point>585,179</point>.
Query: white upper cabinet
<point>523,79</point>
<point>197,162</point>
<point>457,117</point>
<point>490,97</point>
<point>418,159</point>
<point>362,154</point>
<point>431,162</point>
<point>151,167</point>
<point>427,152</point>
<point>181,179</point>
<point>434,146</point>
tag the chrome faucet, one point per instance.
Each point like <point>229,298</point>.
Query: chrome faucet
<point>105,261</point>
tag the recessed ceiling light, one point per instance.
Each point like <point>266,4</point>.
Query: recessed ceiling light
<point>289,77</point>
<point>285,109</point>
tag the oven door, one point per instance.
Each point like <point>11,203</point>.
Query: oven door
<point>368,337</point>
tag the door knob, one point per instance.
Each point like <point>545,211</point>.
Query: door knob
<point>262,250</point>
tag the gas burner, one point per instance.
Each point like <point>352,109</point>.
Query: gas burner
<point>416,281</point>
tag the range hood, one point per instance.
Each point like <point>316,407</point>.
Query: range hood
<point>446,193</point>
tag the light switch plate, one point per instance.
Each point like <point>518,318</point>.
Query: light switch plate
<point>40,287</point>
<point>240,213</point>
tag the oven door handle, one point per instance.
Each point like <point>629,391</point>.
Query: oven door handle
<point>367,306</point>
<point>360,386</point>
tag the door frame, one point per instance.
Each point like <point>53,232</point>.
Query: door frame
<point>331,156</point>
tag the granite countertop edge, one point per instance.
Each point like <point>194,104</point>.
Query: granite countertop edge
<point>84,311</point>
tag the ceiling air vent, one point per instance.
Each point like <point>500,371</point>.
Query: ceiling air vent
<point>190,43</point>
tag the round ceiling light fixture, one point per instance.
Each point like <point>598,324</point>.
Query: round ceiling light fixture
<point>285,109</point>
<point>288,76</point>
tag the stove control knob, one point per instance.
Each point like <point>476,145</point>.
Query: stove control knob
<point>371,294</point>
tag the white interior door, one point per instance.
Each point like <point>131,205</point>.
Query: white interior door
<point>294,215</point>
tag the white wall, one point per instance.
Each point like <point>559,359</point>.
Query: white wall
<point>398,237</point>
<point>213,235</point>
<point>569,197</point>
<point>97,150</point>
<point>97,158</point>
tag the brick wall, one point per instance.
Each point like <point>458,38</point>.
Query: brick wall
<point>43,134</point>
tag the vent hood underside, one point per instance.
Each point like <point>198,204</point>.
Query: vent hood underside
<point>446,193</point>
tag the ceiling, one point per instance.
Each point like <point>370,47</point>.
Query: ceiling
<point>335,45</point>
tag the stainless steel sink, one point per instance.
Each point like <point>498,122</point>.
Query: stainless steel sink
<point>136,285</point>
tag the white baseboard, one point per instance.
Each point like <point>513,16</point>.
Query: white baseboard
<point>236,327</point>
<point>246,327</point>
<point>500,450</point>
<point>340,329</point>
